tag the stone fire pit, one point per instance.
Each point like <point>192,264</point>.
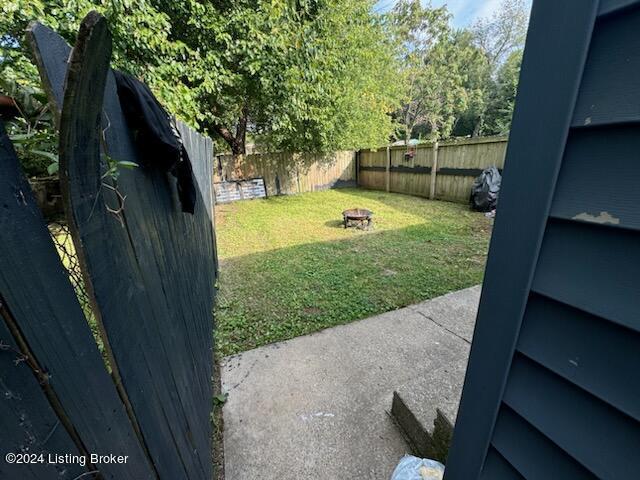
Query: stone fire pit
<point>357,217</point>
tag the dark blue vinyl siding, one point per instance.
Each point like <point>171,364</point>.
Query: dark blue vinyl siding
<point>599,175</point>
<point>542,458</point>
<point>589,351</point>
<point>553,383</point>
<point>496,467</point>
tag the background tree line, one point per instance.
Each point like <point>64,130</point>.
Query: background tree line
<point>459,82</point>
<point>297,75</point>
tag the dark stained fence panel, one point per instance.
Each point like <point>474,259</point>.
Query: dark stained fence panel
<point>154,291</point>
<point>201,152</point>
<point>40,298</point>
<point>27,421</point>
<point>52,63</point>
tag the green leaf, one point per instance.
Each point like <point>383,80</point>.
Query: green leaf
<point>53,168</point>
<point>22,136</point>
<point>51,156</point>
<point>127,164</point>
<point>221,398</point>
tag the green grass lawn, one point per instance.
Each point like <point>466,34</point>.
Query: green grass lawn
<point>288,267</point>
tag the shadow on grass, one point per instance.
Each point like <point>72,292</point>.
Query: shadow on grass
<point>334,224</point>
<point>400,201</point>
<point>280,294</point>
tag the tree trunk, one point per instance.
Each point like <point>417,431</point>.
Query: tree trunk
<point>407,133</point>
<point>237,142</point>
<point>241,132</point>
<point>237,148</point>
<point>477,126</point>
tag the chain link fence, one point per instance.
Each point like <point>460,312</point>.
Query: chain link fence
<point>64,244</point>
<point>61,236</point>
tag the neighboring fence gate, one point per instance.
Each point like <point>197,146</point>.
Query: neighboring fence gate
<point>149,272</point>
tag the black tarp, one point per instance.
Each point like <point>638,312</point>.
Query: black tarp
<point>485,190</point>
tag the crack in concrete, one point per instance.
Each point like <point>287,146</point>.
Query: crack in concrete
<point>440,325</point>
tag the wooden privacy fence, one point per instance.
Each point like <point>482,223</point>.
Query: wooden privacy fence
<point>290,173</point>
<point>142,412</point>
<point>456,163</point>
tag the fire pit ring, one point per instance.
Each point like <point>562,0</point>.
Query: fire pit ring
<point>357,217</point>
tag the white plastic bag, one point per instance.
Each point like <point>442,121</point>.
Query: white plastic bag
<point>414,468</point>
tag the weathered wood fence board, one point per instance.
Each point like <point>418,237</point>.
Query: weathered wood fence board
<point>41,302</point>
<point>149,268</point>
<point>28,423</point>
<point>459,162</point>
<point>291,173</point>
<point>372,166</point>
<point>27,420</point>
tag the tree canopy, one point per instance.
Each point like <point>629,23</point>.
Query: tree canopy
<point>291,74</point>
<point>459,82</point>
<point>296,75</point>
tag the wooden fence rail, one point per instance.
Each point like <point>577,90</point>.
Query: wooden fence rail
<point>443,171</point>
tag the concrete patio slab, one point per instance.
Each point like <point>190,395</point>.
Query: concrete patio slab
<point>316,406</point>
<point>455,311</point>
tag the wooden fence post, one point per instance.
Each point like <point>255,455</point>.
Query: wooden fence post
<point>296,163</point>
<point>434,169</point>
<point>388,168</point>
